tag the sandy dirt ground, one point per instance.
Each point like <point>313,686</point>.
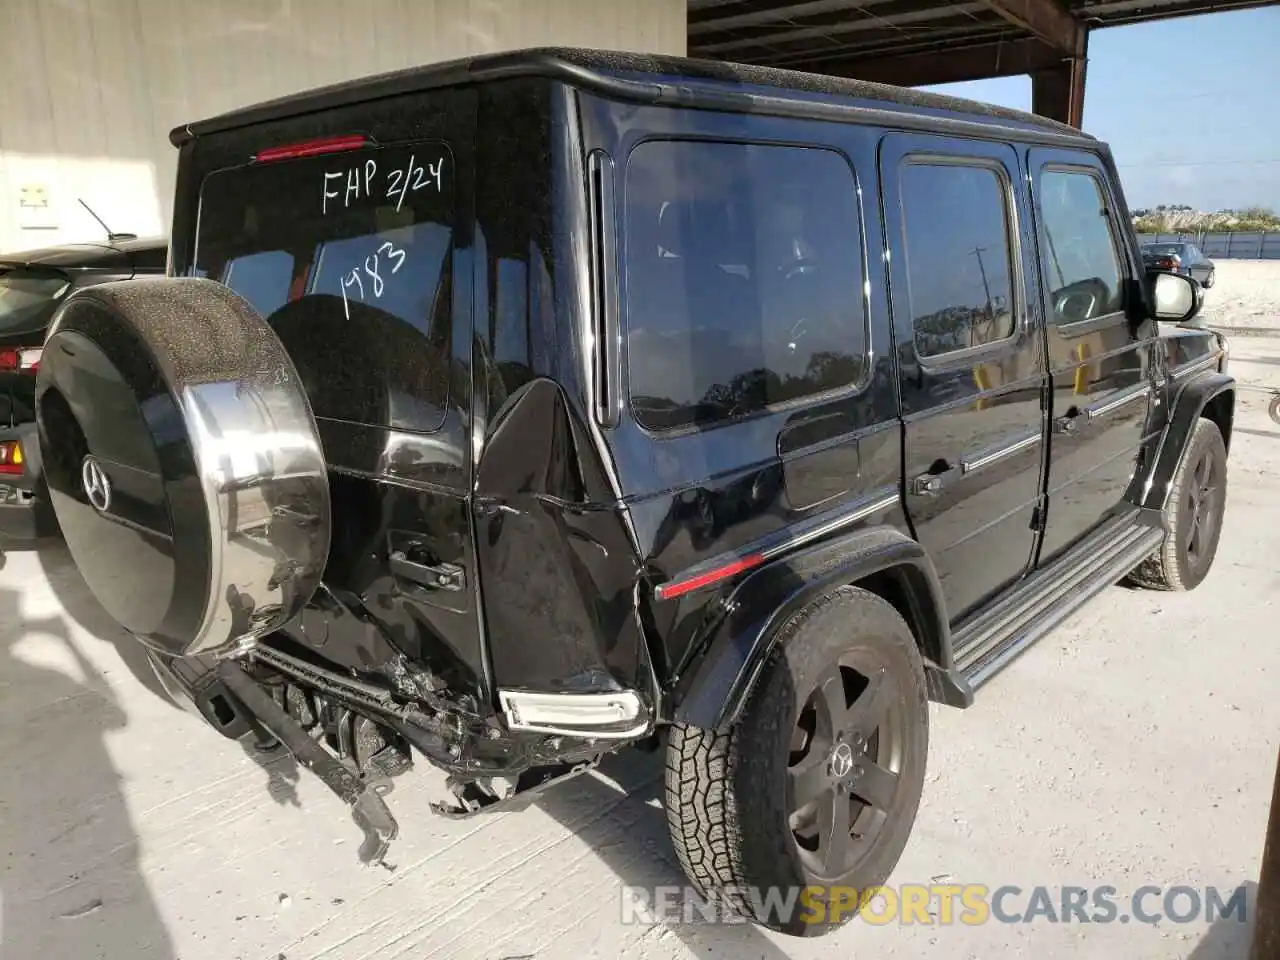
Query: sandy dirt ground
<point>1134,746</point>
<point>1246,295</point>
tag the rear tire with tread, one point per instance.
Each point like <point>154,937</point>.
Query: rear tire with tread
<point>727,792</point>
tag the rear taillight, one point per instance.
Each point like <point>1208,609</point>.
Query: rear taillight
<point>27,361</point>
<point>311,148</point>
<point>11,457</point>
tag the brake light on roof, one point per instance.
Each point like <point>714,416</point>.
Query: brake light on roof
<point>11,458</point>
<point>311,148</point>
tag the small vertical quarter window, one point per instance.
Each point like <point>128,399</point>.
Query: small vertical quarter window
<point>744,279</point>
<point>1081,267</point>
<point>960,272</point>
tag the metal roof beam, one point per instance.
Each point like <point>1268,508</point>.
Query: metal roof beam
<point>1047,20</point>
<point>925,13</point>
<point>979,62</point>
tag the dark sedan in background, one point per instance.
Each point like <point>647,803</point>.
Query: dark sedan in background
<point>32,284</point>
<point>1183,258</point>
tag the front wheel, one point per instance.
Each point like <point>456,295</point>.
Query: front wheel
<point>808,800</point>
<point>1192,515</point>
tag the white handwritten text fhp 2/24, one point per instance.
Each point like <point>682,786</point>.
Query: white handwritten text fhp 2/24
<point>364,181</point>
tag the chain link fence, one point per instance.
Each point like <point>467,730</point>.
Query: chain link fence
<point>1225,244</point>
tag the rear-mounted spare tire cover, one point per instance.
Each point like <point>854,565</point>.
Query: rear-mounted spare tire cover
<point>183,462</point>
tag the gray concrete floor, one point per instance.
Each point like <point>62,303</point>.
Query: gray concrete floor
<point>1134,746</point>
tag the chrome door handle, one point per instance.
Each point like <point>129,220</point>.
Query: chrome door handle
<point>1067,424</point>
<point>935,481</point>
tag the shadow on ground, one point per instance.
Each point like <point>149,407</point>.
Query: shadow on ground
<point>1230,936</point>
<point>79,604</point>
<point>70,885</point>
<point>644,858</point>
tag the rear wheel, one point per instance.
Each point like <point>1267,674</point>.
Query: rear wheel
<point>819,781</point>
<point>1193,515</point>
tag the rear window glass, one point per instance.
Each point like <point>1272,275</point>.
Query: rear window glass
<point>28,299</point>
<point>743,279</point>
<point>348,257</point>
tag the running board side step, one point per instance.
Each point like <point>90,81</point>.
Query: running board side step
<point>996,637</point>
<point>367,807</point>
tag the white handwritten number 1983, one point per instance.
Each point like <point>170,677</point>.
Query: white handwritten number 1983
<point>371,267</point>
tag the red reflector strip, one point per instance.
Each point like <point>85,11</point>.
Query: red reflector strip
<point>677,588</point>
<point>311,148</point>
<point>11,469</point>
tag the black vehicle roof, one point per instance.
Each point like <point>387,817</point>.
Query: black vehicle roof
<point>116,253</point>
<point>650,77</point>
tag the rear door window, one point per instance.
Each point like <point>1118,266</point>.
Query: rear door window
<point>28,299</point>
<point>959,254</point>
<point>348,257</point>
<point>744,279</point>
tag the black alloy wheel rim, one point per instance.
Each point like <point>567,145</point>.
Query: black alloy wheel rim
<point>1202,500</point>
<point>847,754</point>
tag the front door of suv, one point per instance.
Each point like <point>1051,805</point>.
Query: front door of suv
<point>970,358</point>
<point>1099,361</point>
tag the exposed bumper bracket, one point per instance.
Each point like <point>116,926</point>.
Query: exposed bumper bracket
<point>367,807</point>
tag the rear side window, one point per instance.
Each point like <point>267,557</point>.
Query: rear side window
<point>1079,256</point>
<point>348,257</point>
<point>959,255</point>
<point>744,279</point>
<point>28,299</point>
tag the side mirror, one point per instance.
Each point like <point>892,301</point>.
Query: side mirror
<point>1174,298</point>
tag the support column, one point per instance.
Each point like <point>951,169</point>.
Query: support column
<point>1266,924</point>
<point>1057,92</point>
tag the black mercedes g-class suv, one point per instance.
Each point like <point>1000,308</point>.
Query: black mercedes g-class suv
<point>32,285</point>
<point>512,411</point>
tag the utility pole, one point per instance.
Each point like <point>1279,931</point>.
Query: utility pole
<point>986,289</point>
<point>1266,925</point>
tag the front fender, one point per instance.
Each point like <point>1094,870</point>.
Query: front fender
<point>1208,394</point>
<point>712,692</point>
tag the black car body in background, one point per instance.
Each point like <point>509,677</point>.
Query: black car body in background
<point>1185,259</point>
<point>32,285</point>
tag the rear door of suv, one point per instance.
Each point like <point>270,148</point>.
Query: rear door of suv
<point>349,231</point>
<point>970,358</point>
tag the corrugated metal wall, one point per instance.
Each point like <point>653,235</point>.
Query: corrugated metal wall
<point>89,89</point>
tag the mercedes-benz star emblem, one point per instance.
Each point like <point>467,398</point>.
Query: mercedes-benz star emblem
<point>842,761</point>
<point>97,485</point>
